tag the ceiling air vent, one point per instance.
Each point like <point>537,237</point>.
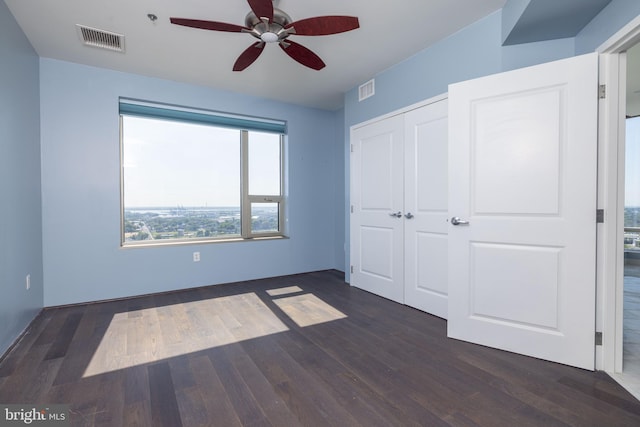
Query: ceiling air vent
<point>366,90</point>
<point>100,38</point>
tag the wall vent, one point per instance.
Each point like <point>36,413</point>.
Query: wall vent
<point>100,38</point>
<point>367,90</point>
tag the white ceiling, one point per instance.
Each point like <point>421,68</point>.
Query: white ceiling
<point>390,31</point>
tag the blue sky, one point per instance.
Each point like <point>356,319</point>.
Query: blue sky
<point>169,163</point>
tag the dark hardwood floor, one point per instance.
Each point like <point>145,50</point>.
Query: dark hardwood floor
<point>302,350</point>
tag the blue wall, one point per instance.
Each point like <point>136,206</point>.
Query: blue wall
<point>476,51</point>
<point>472,52</point>
<point>83,260</point>
<point>20,220</point>
<point>616,15</point>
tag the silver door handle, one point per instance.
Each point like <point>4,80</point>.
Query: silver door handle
<point>408,215</point>
<point>396,214</point>
<point>457,221</point>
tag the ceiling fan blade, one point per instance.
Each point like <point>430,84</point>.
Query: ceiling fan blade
<point>324,25</point>
<point>302,55</point>
<point>248,57</point>
<point>208,25</point>
<point>262,8</point>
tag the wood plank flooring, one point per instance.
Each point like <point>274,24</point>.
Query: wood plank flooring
<point>303,350</point>
<point>630,377</point>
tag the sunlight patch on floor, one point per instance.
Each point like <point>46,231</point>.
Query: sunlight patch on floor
<point>308,309</point>
<point>153,334</point>
<point>149,335</point>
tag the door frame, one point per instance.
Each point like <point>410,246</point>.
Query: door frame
<point>610,234</point>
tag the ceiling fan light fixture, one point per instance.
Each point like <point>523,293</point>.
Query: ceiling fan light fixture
<point>269,37</point>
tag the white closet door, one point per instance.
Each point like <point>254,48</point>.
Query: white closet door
<point>377,208</point>
<point>425,202</point>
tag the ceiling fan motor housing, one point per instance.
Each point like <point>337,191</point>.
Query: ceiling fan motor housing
<point>269,32</point>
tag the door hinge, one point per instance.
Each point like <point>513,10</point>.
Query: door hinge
<point>352,148</point>
<point>351,269</point>
<point>602,91</point>
<point>598,338</point>
<point>599,216</point>
<point>351,208</point>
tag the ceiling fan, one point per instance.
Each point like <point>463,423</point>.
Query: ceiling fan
<point>272,25</point>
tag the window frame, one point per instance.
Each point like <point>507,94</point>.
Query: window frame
<point>249,199</point>
<point>146,109</point>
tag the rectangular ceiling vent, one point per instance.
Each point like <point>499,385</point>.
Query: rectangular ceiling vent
<point>366,90</point>
<point>100,38</point>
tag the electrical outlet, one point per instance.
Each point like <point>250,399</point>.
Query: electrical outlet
<point>27,281</point>
<point>196,257</point>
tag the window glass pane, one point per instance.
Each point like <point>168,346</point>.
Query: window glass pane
<point>264,218</point>
<point>632,185</point>
<point>264,164</point>
<point>180,180</point>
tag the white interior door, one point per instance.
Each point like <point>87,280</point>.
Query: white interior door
<point>377,166</point>
<point>425,201</point>
<point>522,172</point>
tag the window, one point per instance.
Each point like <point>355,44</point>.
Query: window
<point>190,175</point>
